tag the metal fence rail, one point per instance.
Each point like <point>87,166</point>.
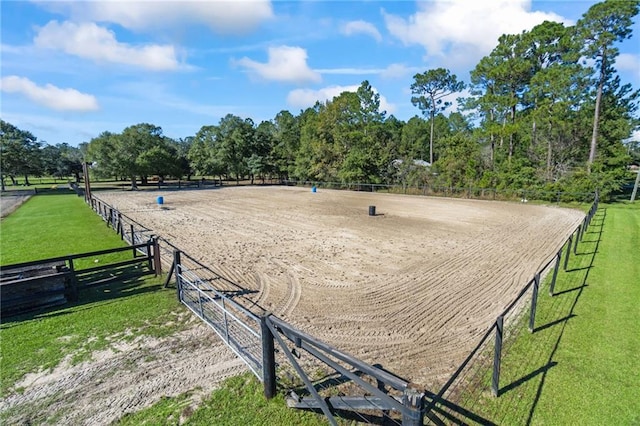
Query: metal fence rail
<point>455,192</point>
<point>237,327</point>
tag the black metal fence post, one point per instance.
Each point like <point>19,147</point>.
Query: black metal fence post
<point>534,302</point>
<point>157,264</point>
<point>575,244</point>
<point>566,259</point>
<point>268,359</point>
<point>413,398</point>
<point>176,269</point>
<point>495,381</point>
<point>555,273</point>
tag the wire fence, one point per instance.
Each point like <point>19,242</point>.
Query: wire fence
<point>481,370</point>
<point>523,195</point>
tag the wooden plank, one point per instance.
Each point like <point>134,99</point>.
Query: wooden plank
<point>73,256</point>
<point>31,270</point>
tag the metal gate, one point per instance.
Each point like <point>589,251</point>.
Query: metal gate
<point>236,326</point>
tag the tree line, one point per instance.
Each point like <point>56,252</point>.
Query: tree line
<point>546,109</point>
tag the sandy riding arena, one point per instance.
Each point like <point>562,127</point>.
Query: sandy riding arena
<point>412,288</point>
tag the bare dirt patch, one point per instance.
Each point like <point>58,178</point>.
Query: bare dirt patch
<point>412,289</point>
<point>125,378</point>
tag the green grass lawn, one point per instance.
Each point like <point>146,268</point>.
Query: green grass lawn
<point>582,364</point>
<point>238,402</point>
<point>53,225</point>
<point>598,358</point>
<point>56,225</point>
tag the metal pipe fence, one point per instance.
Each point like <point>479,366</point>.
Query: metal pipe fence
<point>236,326</point>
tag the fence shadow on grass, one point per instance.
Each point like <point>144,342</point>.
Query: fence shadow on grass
<point>526,357</point>
<point>597,229</point>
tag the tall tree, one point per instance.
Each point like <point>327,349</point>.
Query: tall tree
<point>235,138</point>
<point>20,153</point>
<point>133,142</point>
<point>62,160</point>
<point>286,143</point>
<point>603,25</point>
<point>430,88</point>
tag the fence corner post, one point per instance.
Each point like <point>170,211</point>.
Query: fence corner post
<point>268,358</point>
<point>495,381</point>
<point>413,399</point>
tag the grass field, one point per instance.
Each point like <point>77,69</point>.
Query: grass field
<point>53,225</point>
<point>581,365</point>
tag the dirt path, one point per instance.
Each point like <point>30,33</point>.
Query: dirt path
<point>412,289</point>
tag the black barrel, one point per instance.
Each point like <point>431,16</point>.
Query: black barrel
<point>372,210</point>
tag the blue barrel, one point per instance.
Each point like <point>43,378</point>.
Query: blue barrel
<point>313,189</point>
<point>160,200</point>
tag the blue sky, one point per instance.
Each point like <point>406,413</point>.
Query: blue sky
<point>72,69</point>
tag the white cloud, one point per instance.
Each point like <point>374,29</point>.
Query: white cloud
<point>49,95</point>
<point>229,17</point>
<point>629,62</point>
<point>464,30</point>
<point>304,98</point>
<point>399,71</point>
<point>286,64</point>
<point>361,27</point>
<point>90,41</point>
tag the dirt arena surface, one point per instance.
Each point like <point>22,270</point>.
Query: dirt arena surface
<point>412,289</point>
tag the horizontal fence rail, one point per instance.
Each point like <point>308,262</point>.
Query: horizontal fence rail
<point>523,195</point>
<point>48,282</point>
